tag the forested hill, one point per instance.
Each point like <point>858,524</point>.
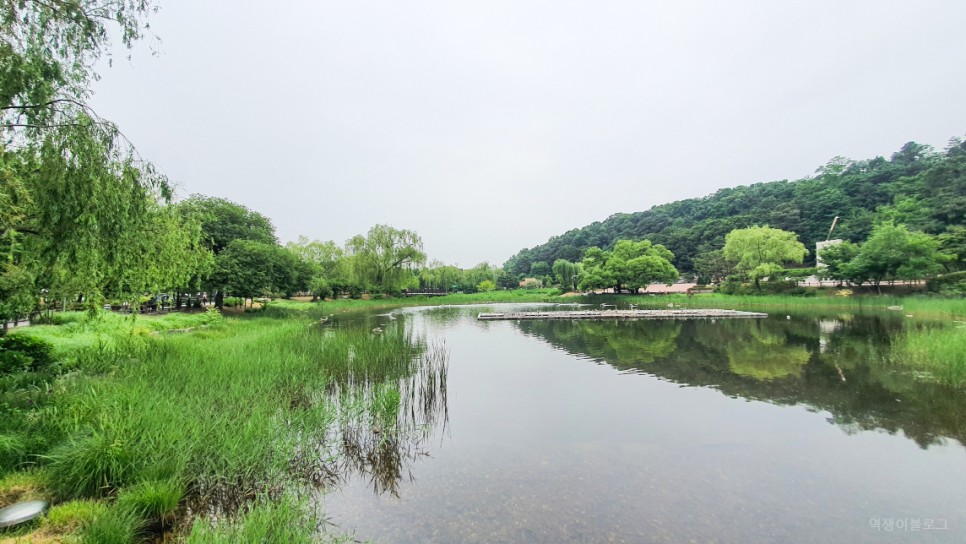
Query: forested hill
<point>917,186</point>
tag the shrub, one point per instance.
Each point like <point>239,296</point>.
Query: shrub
<point>23,353</point>
<point>732,286</point>
<point>355,291</point>
<point>213,317</point>
<point>531,283</point>
<point>486,286</point>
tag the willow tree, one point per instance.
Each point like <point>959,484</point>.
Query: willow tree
<point>440,276</point>
<point>90,215</point>
<point>167,253</point>
<point>384,258</point>
<point>762,251</point>
<point>566,273</point>
<point>16,281</point>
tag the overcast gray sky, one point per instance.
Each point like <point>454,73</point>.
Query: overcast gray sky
<point>490,126</point>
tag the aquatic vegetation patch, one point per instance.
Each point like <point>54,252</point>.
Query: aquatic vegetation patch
<point>267,521</point>
<point>940,351</point>
<point>113,526</point>
<point>154,501</point>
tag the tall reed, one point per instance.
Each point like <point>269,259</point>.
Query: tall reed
<point>939,351</point>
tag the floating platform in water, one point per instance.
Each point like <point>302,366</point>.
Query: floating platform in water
<point>624,314</point>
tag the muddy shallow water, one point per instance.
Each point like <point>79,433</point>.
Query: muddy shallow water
<point>774,430</point>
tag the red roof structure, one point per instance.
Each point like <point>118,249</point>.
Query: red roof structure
<point>673,289</point>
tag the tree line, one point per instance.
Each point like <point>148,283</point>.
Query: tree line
<point>84,216</point>
<point>757,253</point>
<point>248,261</point>
<point>918,187</point>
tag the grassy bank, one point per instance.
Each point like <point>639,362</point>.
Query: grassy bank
<point>337,305</point>
<point>285,308</point>
<point>132,433</point>
<point>923,306</point>
<point>72,332</point>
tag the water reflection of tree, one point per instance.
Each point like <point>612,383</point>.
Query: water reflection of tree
<point>444,315</point>
<point>761,351</point>
<point>623,344</point>
<point>842,369</point>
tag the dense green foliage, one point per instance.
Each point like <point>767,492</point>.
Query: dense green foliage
<point>252,269</point>
<point>630,265</point>
<point>249,261</point>
<point>760,252</point>
<point>383,259</point>
<point>890,253</point>
<point>22,353</point>
<point>223,222</point>
<point>916,186</point>
<point>567,273</point>
<point>441,277</point>
<point>950,284</point>
<point>80,212</point>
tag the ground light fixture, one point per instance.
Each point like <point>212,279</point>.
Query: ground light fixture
<point>21,513</point>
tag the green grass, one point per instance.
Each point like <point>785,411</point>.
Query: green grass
<point>76,331</point>
<point>208,411</point>
<point>339,305</point>
<point>939,351</point>
<point>922,305</point>
<point>216,417</point>
<point>267,522</point>
<point>156,502</point>
<point>21,486</point>
<point>73,516</point>
<point>826,299</point>
<point>114,526</point>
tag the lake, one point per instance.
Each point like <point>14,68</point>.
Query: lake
<point>784,429</point>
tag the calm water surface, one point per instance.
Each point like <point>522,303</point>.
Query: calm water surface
<point>771,430</point>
